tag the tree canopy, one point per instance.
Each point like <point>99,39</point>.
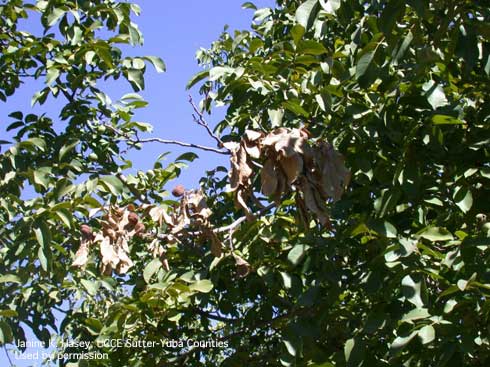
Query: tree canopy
<point>349,229</point>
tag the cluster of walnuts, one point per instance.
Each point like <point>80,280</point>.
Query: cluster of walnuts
<point>290,162</point>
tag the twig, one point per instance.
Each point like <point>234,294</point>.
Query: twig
<point>240,220</point>
<point>214,317</point>
<point>229,228</point>
<point>199,119</point>
<point>8,355</point>
<point>230,240</point>
<point>165,141</point>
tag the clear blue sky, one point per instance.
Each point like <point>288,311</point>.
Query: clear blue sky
<point>173,30</point>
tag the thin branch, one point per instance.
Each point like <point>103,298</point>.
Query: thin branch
<point>214,317</point>
<point>240,220</point>
<point>165,141</point>
<point>199,119</point>
<point>8,355</point>
<point>229,228</point>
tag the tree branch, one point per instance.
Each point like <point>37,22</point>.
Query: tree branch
<point>227,228</point>
<point>199,119</point>
<point>240,220</point>
<point>165,141</point>
<point>8,355</point>
<point>213,316</point>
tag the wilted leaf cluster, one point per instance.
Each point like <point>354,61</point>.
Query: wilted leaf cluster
<point>190,217</point>
<point>292,161</point>
<point>118,227</point>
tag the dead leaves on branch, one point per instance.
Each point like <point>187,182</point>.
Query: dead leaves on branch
<point>287,161</point>
<point>118,227</point>
<point>290,162</point>
<point>192,214</point>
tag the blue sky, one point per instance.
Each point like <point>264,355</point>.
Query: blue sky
<point>173,30</point>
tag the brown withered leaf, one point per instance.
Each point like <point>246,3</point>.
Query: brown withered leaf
<point>286,142</point>
<point>108,253</point>
<point>312,202</point>
<point>216,245</point>
<point>197,206</point>
<point>81,256</point>
<point>316,170</point>
<point>292,167</point>
<point>268,176</point>
<point>334,175</point>
<point>251,145</point>
<point>242,266</point>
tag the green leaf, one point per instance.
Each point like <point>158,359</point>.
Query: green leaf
<point>43,234</point>
<point>330,6</point>
<point>485,172</point>
<point>136,78</point>
<point>295,107</point>
<point>436,234</point>
<point>354,351</point>
<point>220,71</point>
<point>286,279</point>
<point>364,63</point>
<point>66,148</point>
<point>249,5</point>
<point>10,278</point>
<point>463,198</point>
<point>449,306</point>
<point>435,94</point>
<point>324,100</point>
<point>412,290</point>
<point>150,269</point>
<point>427,334</point>
<point>403,47</point>
<point>306,13</point>
<point>297,33</point>
<point>113,184</point>
<point>65,216</point>
<point>383,228</point>
<point>8,313</point>
<point>203,286</point>
<point>157,63</point>
<point>40,97</point>
<point>311,47</point>
<point>52,75</point>
<point>54,15</point>
<point>89,57</point>
<point>446,120</point>
<point>41,176</point>
<point>44,258</point>
<point>189,157</point>
<point>275,117</point>
<point>297,253</point>
<point>91,286</point>
<point>401,342</point>
<point>291,348</point>
<point>6,335</point>
<point>104,52</point>
<point>197,78</point>
<point>416,314</point>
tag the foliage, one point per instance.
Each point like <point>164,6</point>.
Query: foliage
<point>398,277</point>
